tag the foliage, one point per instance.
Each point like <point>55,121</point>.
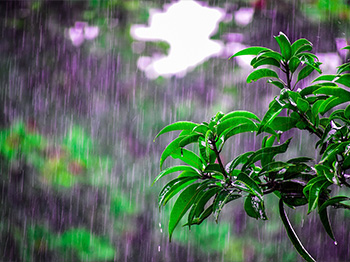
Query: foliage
<point>80,242</point>
<point>205,185</point>
<point>60,166</point>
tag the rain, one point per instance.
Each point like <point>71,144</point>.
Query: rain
<point>85,86</point>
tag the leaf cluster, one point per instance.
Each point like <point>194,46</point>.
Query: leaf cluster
<point>205,185</point>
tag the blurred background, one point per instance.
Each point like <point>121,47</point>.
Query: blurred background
<point>84,88</point>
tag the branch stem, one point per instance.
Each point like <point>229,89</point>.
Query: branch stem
<point>217,153</point>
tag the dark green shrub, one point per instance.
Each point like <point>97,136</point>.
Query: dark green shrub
<point>207,185</point>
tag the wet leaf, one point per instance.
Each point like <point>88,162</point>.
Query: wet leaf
<point>254,207</point>
<point>347,112</point>
<point>330,103</point>
<point>325,78</point>
<point>174,187</point>
<point>274,109</point>
<point>181,206</point>
<point>173,169</point>
<point>344,80</point>
<point>189,139</point>
<point>188,157</point>
<point>200,202</point>
<point>254,50</point>
<point>277,83</point>
<point>181,125</point>
<point>314,193</point>
<point>294,63</point>
<point>248,127</point>
<point>305,72</point>
<point>293,236</point>
<point>267,152</point>
<point>323,214</point>
<point>285,46</point>
<point>170,148</point>
<point>261,73</point>
<point>298,44</point>
<point>241,159</point>
<point>240,113</point>
<point>232,122</point>
<point>261,61</point>
<point>251,184</point>
<point>343,68</point>
<point>222,199</point>
<point>283,123</point>
<point>302,105</point>
<point>333,201</point>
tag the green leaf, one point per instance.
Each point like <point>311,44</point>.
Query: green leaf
<point>254,207</point>
<point>331,102</point>
<point>314,193</point>
<point>173,169</point>
<point>325,171</point>
<point>347,112</point>
<point>301,159</point>
<point>333,150</point>
<point>250,184</point>
<point>274,109</point>
<point>273,167</point>
<point>333,91</point>
<point>303,48</point>
<point>292,235</point>
<point>203,152</point>
<point>188,157</point>
<point>189,139</point>
<point>261,61</point>
<point>283,123</point>
<point>261,73</point>
<point>299,43</point>
<point>277,83</point>
<point>309,90</point>
<point>271,54</point>
<point>325,222</point>
<point>174,187</point>
<point>267,152</point>
<point>325,78</point>
<point>212,168</point>
<point>333,201</point>
<point>208,136</point>
<point>221,199</point>
<point>254,50</point>
<point>182,125</point>
<point>241,159</point>
<point>248,127</point>
<point>202,129</point>
<point>170,148</point>
<point>203,216</point>
<point>344,80</point>
<point>200,202</point>
<point>294,63</point>
<point>305,72</point>
<point>182,204</point>
<point>240,113</point>
<point>343,68</point>
<point>232,122</point>
<point>285,46</point>
<point>302,105</point>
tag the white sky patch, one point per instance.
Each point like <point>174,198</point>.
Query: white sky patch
<point>244,16</point>
<point>187,26</point>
